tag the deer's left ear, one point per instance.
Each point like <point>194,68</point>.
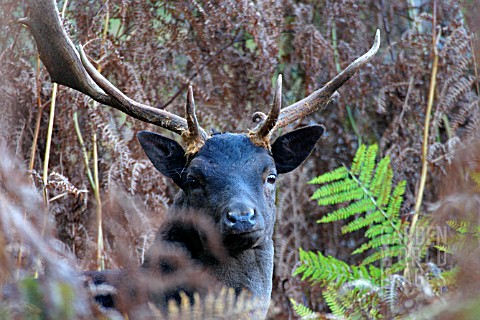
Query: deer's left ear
<point>292,148</point>
<point>167,155</point>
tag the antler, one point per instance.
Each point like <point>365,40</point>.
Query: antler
<point>194,134</point>
<point>313,102</point>
<point>68,67</point>
<point>260,136</point>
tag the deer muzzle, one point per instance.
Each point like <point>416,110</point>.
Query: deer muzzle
<point>239,218</point>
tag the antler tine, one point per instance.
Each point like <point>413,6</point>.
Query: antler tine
<point>195,137</point>
<point>67,67</point>
<point>325,94</point>
<point>261,135</point>
<point>131,107</point>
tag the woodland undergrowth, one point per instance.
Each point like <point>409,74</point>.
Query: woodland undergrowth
<point>230,51</point>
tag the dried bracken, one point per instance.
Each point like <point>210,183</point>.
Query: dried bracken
<point>228,51</point>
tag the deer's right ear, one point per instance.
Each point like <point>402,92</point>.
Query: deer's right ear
<point>167,155</point>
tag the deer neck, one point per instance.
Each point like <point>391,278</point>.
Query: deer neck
<point>249,269</point>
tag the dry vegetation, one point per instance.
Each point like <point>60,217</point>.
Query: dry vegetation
<point>229,51</point>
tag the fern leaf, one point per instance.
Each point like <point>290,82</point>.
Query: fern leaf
<point>361,206</point>
<point>360,272</point>
<point>380,176</point>
<point>397,267</point>
<point>458,226</point>
<point>380,236</point>
<point>354,194</point>
<point>364,191</point>
<point>363,222</point>
<point>378,229</point>
<point>368,167</point>
<point>337,174</point>
<point>396,200</point>
<point>386,188</point>
<point>303,311</point>
<point>330,296</point>
<point>394,284</point>
<point>322,269</point>
<point>334,188</point>
<point>382,240</point>
<point>376,274</point>
<point>358,160</point>
<point>443,248</point>
<point>396,252</point>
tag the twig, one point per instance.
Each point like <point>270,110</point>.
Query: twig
<point>100,245</point>
<point>39,117</point>
<point>98,209</point>
<point>33,151</point>
<point>84,150</point>
<point>474,58</point>
<point>63,195</point>
<point>48,146</point>
<point>423,175</point>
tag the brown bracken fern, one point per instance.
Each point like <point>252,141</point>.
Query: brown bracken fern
<point>228,50</point>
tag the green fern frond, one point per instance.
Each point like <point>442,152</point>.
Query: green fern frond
<point>364,205</point>
<point>328,270</point>
<point>334,188</point>
<point>357,163</point>
<point>365,191</point>
<point>355,194</point>
<point>397,267</point>
<point>381,174</point>
<point>363,222</point>
<point>458,226</point>
<point>464,232</point>
<point>375,273</point>
<point>380,241</point>
<point>318,268</point>
<point>396,200</point>
<point>331,298</point>
<point>443,248</point>
<point>383,227</point>
<point>302,311</point>
<point>366,172</point>
<point>337,174</point>
<point>394,252</point>
<point>370,273</point>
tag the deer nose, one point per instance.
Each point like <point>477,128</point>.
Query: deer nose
<point>240,220</point>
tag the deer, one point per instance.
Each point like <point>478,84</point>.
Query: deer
<point>228,177</point>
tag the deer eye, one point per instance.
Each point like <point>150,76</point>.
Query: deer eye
<point>193,183</point>
<point>271,178</point>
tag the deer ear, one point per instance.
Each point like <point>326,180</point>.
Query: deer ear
<point>167,155</point>
<point>292,148</point>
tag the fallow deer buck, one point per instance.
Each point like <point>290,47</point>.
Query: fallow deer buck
<point>229,177</point>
